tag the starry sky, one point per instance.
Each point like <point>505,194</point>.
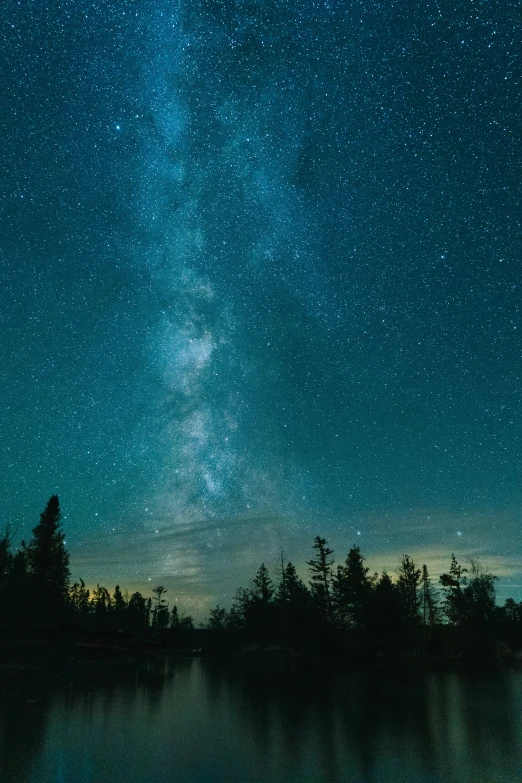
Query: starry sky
<point>260,279</point>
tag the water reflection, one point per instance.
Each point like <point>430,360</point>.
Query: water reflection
<point>196,722</point>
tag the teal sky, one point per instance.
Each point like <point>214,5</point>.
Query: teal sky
<point>260,280</point>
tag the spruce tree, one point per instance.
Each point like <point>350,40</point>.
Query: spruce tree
<point>352,590</point>
<point>429,606</point>
<point>48,563</point>
<point>119,605</point>
<point>262,587</point>
<point>408,583</point>
<point>160,615</point>
<point>429,600</point>
<point>321,575</point>
<point>453,584</point>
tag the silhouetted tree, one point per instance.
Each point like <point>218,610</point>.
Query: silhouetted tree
<point>452,584</point>
<point>253,608</point>
<point>218,620</point>
<point>352,589</point>
<point>408,582</point>
<point>102,603</point>
<point>430,612</point>
<point>320,568</point>
<point>160,613</point>
<point>292,590</point>
<point>186,622</point>
<point>511,618</point>
<point>119,607</point>
<point>137,612</point>
<point>48,564</point>
<point>180,623</point>
<point>262,589</point>
<point>174,618</point>
<point>294,605</point>
<point>79,602</point>
<point>480,610</point>
<point>512,611</point>
<point>386,618</point>
<point>470,606</point>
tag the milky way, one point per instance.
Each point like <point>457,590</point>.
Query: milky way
<point>261,280</point>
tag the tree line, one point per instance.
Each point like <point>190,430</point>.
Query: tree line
<point>36,589</point>
<point>348,608</point>
<point>343,607</point>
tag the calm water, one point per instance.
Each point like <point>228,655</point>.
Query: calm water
<point>196,723</point>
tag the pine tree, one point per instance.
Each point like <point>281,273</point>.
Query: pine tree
<point>430,612</point>
<point>294,604</point>
<point>321,575</point>
<point>217,621</point>
<point>119,605</point>
<point>253,608</point>
<point>386,618</point>
<point>48,563</point>
<point>452,585</point>
<point>291,588</point>
<point>408,583</point>
<point>352,590</point>
<point>262,587</point>
<point>429,600</point>
<point>160,614</point>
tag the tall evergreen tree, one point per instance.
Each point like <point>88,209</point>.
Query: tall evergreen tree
<point>429,607</point>
<point>48,563</point>
<point>160,613</point>
<point>386,618</point>
<point>291,588</point>
<point>262,587</point>
<point>253,608</point>
<point>480,602</point>
<point>453,584</point>
<point>119,606</point>
<point>429,600</point>
<point>352,590</point>
<point>294,605</point>
<point>408,583</point>
<point>320,568</point>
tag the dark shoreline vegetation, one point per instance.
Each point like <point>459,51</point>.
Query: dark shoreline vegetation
<point>345,613</point>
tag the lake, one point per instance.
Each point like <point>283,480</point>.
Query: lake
<point>191,721</point>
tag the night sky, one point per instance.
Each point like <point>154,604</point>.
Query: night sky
<point>260,279</point>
